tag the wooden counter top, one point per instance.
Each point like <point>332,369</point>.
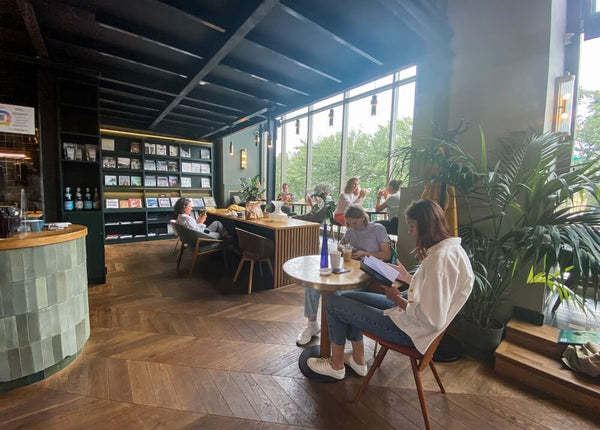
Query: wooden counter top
<point>265,222</point>
<point>46,237</point>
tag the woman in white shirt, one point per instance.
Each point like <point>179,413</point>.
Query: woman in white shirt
<point>352,195</point>
<point>438,290</point>
<point>183,208</point>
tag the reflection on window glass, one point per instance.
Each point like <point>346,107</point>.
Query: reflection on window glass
<point>368,144</point>
<point>326,147</point>
<point>295,156</point>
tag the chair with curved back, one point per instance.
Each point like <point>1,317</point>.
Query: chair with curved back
<point>200,244</point>
<point>255,248</point>
<point>418,361</point>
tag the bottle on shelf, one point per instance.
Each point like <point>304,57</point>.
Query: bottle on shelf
<point>78,200</point>
<point>96,201</point>
<point>88,204</point>
<point>69,204</point>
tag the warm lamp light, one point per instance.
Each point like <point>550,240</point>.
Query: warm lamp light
<point>563,116</point>
<point>243,159</point>
<point>269,140</point>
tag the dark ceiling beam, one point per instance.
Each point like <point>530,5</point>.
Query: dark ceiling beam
<point>146,39</point>
<point>258,15</point>
<point>296,59</point>
<point>140,64</point>
<point>432,28</point>
<point>124,112</point>
<point>28,14</point>
<point>194,119</point>
<point>263,79</point>
<point>129,95</point>
<point>199,20</point>
<point>332,35</point>
<point>227,87</point>
<point>104,100</point>
<point>236,122</point>
<point>186,107</point>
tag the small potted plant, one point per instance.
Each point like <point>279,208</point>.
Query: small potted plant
<point>251,193</point>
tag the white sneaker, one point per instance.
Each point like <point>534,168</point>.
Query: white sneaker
<point>322,366</point>
<point>360,369</point>
<point>312,329</point>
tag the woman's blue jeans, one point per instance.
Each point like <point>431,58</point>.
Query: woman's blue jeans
<point>354,311</point>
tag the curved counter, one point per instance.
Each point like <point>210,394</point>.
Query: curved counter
<point>44,316</point>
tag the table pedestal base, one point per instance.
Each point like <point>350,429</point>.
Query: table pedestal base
<point>313,351</point>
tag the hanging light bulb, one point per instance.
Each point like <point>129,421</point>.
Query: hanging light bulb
<point>297,126</point>
<point>256,138</point>
<point>269,140</point>
<point>230,143</point>
<point>330,117</point>
<point>374,105</point>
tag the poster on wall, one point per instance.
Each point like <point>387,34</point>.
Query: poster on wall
<point>17,119</point>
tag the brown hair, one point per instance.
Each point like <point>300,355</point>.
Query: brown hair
<point>349,186</point>
<point>179,206</point>
<point>432,226</point>
<point>357,212</point>
<point>395,184</point>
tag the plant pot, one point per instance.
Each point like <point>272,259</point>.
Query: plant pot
<point>479,342</point>
<point>253,210</point>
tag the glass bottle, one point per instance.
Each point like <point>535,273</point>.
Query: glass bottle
<point>88,204</point>
<point>78,200</point>
<point>96,202</point>
<point>69,205</point>
<point>324,249</point>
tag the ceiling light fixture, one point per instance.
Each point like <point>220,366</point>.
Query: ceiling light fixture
<point>374,105</point>
<point>330,117</point>
<point>230,142</point>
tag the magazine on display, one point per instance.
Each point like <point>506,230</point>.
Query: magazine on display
<point>578,337</point>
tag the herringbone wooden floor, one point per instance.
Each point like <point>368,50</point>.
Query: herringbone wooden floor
<point>168,351</point>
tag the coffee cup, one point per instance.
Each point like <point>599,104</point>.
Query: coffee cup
<point>335,258</point>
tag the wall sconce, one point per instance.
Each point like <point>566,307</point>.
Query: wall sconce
<point>297,126</point>
<point>374,105</point>
<point>565,92</point>
<point>243,159</point>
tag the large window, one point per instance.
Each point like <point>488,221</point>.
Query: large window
<point>358,141</point>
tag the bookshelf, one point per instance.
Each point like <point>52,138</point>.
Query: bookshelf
<point>143,177</point>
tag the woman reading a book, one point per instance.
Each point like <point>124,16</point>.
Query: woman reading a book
<point>366,239</point>
<point>183,209</point>
<point>438,290</point>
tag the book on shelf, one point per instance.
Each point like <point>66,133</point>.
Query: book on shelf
<point>109,162</point>
<point>136,181</point>
<point>198,203</point>
<point>124,162</point>
<point>135,203</point>
<point>123,204</point>
<point>173,151</point>
<point>164,202</point>
<point>209,202</point>
<point>151,202</point>
<point>161,149</point>
<point>186,182</point>
<point>69,150</point>
<point>135,147</point>
<point>112,236</point>
<point>186,167</point>
<point>136,164</point>
<point>205,182</point>
<point>137,236</point>
<point>125,236</point>
<point>162,181</point>
<point>195,167</point>
<point>205,153</point>
<point>578,337</point>
<point>149,148</point>
<point>173,181</point>
<point>91,152</point>
<point>124,180</point>
<point>150,181</point>
<point>174,200</point>
<point>112,203</point>
<point>379,270</point>
<point>172,166</point>
<point>162,165</point>
<point>149,165</point>
<point>185,152</point>
<point>108,144</point>
<point>110,180</point>
<point>205,168</point>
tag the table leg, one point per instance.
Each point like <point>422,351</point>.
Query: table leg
<point>325,349</point>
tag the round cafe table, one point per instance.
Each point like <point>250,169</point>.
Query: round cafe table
<point>304,271</point>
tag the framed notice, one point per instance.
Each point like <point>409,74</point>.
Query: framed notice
<point>17,119</point>
<point>108,144</point>
<point>112,203</point>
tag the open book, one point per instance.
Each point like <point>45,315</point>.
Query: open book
<point>578,337</point>
<point>379,270</point>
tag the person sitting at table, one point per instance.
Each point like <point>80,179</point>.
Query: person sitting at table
<point>367,239</point>
<point>438,290</point>
<point>352,194</point>
<point>391,203</point>
<point>183,208</point>
<point>286,197</point>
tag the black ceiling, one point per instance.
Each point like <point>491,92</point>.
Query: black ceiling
<point>197,68</point>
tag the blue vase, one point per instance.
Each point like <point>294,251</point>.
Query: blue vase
<point>324,249</point>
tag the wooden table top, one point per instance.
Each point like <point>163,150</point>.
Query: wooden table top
<point>305,271</point>
<point>266,222</point>
<point>45,237</point>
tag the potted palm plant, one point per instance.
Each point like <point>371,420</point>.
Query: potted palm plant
<point>521,216</point>
<point>251,194</point>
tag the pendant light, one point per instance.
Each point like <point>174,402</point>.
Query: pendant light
<point>297,126</point>
<point>330,117</point>
<point>374,105</point>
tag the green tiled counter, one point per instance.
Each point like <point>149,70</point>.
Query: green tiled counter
<point>44,316</point>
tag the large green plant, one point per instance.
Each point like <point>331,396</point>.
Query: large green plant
<point>250,189</point>
<point>522,216</point>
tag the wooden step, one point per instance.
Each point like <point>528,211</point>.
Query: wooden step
<point>545,374</point>
<point>542,339</point>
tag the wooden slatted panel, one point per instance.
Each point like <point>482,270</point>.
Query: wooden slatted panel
<point>290,243</point>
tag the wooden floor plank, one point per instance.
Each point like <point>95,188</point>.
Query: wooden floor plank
<point>238,403</point>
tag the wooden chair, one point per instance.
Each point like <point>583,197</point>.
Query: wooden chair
<point>255,248</point>
<point>200,244</point>
<point>177,241</point>
<point>418,361</point>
